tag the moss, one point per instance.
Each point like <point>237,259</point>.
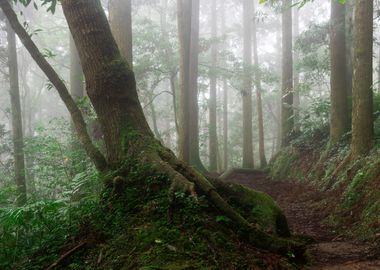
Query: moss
<point>137,233</point>
<point>257,207</point>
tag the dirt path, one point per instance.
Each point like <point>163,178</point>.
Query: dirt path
<point>305,208</point>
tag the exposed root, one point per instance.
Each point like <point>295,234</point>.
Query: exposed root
<point>254,234</point>
<point>227,174</point>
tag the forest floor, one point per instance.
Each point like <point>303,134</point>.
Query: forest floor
<point>305,208</point>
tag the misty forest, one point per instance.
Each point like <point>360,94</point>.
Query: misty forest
<point>189,134</point>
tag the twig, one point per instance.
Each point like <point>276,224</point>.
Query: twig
<point>67,254</point>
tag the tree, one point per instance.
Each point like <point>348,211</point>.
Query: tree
<point>225,100</point>
<point>248,161</point>
<point>339,123</point>
<point>188,30</point>
<point>120,12</point>
<point>296,80</point>
<point>17,131</point>
<point>111,88</point>
<point>263,161</point>
<point>362,103</point>
<point>287,119</point>
<point>213,139</point>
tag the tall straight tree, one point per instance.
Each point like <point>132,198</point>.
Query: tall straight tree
<point>120,16</point>
<point>349,24</point>
<point>287,117</point>
<point>339,122</point>
<point>225,99</point>
<point>17,131</point>
<point>362,100</point>
<point>188,30</point>
<point>213,139</point>
<point>296,75</point>
<point>248,161</point>
<point>260,120</point>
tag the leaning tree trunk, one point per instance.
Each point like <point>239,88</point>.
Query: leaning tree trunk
<point>362,107</point>
<point>339,123</point>
<point>248,161</point>
<point>263,160</point>
<point>213,141</point>
<point>17,133</point>
<point>120,12</point>
<point>287,120</point>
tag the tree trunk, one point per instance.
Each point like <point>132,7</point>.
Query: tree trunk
<point>76,72</point>
<point>225,100</point>
<point>296,80</point>
<point>188,28</point>
<point>120,12</point>
<point>184,34</point>
<point>263,160</point>
<point>213,145</point>
<point>17,134</point>
<point>248,161</point>
<point>287,117</point>
<point>362,106</point>
<point>338,112</point>
<point>349,23</point>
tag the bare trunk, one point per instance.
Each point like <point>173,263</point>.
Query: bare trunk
<point>287,116</point>
<point>339,123</point>
<point>17,133</point>
<point>349,23</point>
<point>188,27</point>
<point>120,12</point>
<point>263,161</point>
<point>213,145</point>
<point>225,100</point>
<point>362,103</point>
<point>248,161</point>
<point>296,86</point>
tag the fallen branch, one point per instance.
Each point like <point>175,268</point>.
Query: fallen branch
<point>67,254</point>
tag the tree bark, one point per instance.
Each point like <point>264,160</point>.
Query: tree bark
<point>76,73</point>
<point>120,12</point>
<point>362,104</point>
<point>259,103</point>
<point>213,145</point>
<point>188,28</point>
<point>225,100</point>
<point>339,123</point>
<point>296,80</point>
<point>287,114</point>
<point>349,22</point>
<point>17,131</point>
<point>248,161</point>
<point>76,115</point>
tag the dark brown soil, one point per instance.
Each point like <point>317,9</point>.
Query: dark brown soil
<point>306,208</point>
